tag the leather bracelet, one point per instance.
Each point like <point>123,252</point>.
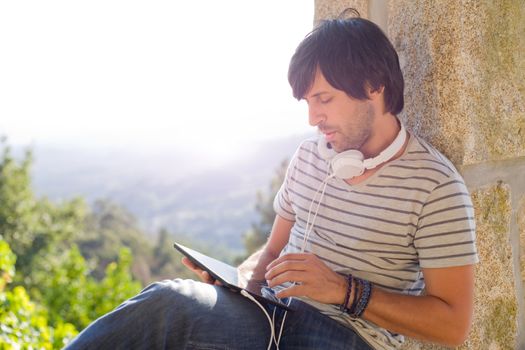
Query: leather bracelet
<point>358,289</point>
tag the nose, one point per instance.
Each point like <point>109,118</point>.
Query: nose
<point>314,115</point>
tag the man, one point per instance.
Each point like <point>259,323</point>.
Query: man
<point>363,251</point>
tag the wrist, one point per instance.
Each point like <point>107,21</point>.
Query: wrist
<point>341,289</point>
<point>357,296</point>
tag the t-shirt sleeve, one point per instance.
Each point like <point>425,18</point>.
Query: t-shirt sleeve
<point>282,203</point>
<point>446,235</point>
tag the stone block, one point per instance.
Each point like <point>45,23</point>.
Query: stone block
<point>521,230</point>
<point>464,71</point>
<point>495,307</point>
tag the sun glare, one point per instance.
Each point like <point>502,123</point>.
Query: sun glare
<point>141,74</point>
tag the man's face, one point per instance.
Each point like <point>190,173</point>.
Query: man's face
<point>345,122</point>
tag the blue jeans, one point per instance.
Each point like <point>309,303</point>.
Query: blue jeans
<point>184,314</point>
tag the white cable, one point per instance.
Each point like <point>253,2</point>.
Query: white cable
<point>310,225</point>
<point>308,230</point>
<point>282,323</point>
<point>270,321</point>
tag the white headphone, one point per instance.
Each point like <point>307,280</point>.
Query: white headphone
<point>351,163</point>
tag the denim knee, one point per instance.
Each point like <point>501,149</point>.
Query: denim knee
<point>180,294</point>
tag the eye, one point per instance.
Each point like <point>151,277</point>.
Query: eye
<point>326,100</point>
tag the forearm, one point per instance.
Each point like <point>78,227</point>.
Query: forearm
<point>427,318</point>
<point>255,265</point>
<point>443,315</point>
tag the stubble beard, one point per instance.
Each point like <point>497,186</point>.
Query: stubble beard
<point>360,133</point>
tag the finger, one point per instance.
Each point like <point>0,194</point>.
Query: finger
<point>286,257</point>
<point>290,265</point>
<point>203,275</point>
<point>296,290</point>
<point>206,277</point>
<point>189,264</point>
<point>289,276</point>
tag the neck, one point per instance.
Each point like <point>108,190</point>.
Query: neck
<point>386,128</point>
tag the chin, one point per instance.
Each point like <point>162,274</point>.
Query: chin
<point>334,146</point>
<point>337,147</point>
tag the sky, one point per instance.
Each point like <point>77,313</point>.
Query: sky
<point>210,75</point>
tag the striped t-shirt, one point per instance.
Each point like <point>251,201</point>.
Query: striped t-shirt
<point>415,212</point>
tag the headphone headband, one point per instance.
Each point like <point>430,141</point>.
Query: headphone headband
<point>387,154</point>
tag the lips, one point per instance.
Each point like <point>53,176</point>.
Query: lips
<point>329,135</point>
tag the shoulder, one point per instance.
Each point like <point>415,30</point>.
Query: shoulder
<point>307,150</point>
<point>308,145</point>
<point>447,187</point>
<point>307,161</point>
<point>421,156</point>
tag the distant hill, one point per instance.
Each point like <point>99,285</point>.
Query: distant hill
<point>174,190</point>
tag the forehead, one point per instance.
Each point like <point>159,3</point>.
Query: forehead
<point>319,86</point>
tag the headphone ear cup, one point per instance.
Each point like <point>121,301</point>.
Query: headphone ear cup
<point>348,164</point>
<point>324,151</point>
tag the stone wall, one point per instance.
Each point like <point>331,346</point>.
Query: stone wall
<point>464,68</point>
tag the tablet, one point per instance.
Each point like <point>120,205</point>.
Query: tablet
<point>229,276</point>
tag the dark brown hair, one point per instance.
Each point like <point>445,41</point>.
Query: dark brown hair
<point>353,54</point>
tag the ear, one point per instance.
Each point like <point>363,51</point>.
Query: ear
<point>374,93</point>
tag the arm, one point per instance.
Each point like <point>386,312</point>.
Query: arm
<point>443,315</point>
<point>256,264</point>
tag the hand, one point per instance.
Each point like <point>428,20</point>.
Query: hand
<point>312,277</point>
<point>203,275</point>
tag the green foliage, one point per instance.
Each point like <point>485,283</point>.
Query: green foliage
<point>166,263</point>
<point>74,264</point>
<point>54,293</point>
<point>23,324</point>
<point>70,299</point>
<point>109,227</point>
<point>258,234</point>
<point>33,228</point>
<point>72,295</point>
<point>117,286</point>
<point>62,287</point>
<point>7,264</point>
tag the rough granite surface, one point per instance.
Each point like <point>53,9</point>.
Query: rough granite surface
<point>464,70</point>
<point>327,9</point>
<point>521,228</point>
<point>495,306</point>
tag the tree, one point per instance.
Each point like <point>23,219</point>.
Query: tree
<point>108,227</point>
<point>53,292</point>
<point>34,228</point>
<point>71,299</point>
<point>72,295</point>
<point>257,235</point>
<point>23,323</point>
<point>116,286</point>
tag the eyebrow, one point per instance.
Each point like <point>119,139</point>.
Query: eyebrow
<point>317,94</point>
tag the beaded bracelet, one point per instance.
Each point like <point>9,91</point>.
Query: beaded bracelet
<point>344,307</point>
<point>363,299</point>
